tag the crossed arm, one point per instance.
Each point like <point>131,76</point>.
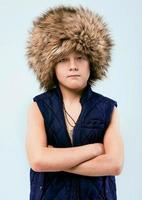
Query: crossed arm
<point>86,160</point>
<point>111,161</point>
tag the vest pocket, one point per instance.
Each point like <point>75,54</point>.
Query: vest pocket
<point>92,131</point>
<point>93,123</point>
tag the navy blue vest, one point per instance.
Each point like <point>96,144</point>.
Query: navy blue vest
<point>92,122</point>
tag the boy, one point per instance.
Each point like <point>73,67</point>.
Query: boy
<point>73,144</point>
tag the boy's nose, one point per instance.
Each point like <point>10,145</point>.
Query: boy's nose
<point>73,69</point>
<point>73,65</point>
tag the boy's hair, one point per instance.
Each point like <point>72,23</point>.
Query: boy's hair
<point>61,30</point>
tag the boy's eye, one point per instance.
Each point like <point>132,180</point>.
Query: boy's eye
<point>79,57</point>
<point>63,60</point>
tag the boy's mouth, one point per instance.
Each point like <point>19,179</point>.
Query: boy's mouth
<point>74,75</point>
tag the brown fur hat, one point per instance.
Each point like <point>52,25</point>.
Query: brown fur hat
<point>61,30</point>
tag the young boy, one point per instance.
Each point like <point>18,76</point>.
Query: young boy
<point>74,146</point>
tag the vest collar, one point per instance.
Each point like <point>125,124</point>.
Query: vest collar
<point>86,94</point>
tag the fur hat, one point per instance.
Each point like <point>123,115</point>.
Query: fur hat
<point>61,30</point>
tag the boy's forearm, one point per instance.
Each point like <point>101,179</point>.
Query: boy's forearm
<point>60,159</point>
<point>102,165</point>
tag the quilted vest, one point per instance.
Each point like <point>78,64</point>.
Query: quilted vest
<point>90,128</point>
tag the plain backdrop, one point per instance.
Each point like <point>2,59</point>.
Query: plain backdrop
<point>18,86</point>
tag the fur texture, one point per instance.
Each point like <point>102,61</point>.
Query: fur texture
<point>63,29</point>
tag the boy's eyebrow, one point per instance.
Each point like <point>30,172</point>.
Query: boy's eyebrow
<point>82,54</point>
<point>79,53</point>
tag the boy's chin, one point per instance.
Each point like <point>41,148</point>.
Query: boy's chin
<point>76,86</point>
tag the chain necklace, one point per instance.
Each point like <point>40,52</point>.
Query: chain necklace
<point>66,113</point>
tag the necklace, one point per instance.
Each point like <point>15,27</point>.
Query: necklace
<point>66,113</point>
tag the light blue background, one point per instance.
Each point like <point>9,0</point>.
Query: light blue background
<point>19,85</point>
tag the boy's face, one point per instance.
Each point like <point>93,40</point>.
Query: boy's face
<point>73,71</point>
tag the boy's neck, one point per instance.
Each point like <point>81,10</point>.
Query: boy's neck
<point>70,95</point>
